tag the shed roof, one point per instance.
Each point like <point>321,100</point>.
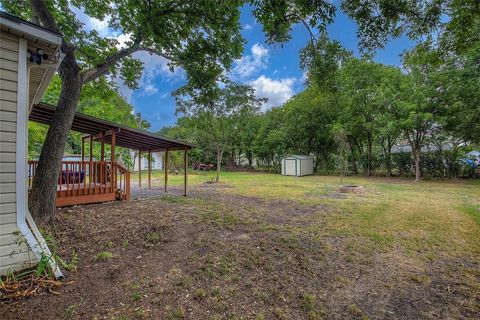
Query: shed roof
<point>125,136</point>
<point>300,157</point>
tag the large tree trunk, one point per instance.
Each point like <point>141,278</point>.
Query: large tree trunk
<point>42,196</point>
<point>369,154</point>
<point>388,160</point>
<point>219,164</point>
<point>416,155</point>
<point>354,159</point>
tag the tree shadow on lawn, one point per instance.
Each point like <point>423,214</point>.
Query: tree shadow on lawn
<point>218,255</point>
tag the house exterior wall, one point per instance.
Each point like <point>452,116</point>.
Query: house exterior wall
<point>14,252</point>
<point>157,161</point>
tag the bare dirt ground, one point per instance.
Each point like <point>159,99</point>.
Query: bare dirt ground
<point>215,255</point>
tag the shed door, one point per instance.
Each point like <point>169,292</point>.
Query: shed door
<point>290,167</point>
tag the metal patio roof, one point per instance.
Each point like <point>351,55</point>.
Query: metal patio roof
<point>125,136</point>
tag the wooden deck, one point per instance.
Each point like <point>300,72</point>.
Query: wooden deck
<point>83,182</point>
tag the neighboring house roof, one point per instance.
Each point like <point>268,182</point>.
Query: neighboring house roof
<point>125,136</point>
<point>300,157</point>
<point>473,154</point>
<point>404,148</point>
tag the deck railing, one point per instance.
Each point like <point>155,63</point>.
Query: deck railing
<point>80,178</point>
<point>122,182</point>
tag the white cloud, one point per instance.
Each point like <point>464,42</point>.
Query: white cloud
<point>156,70</point>
<point>247,27</point>
<point>150,89</point>
<point>90,23</point>
<point>276,90</point>
<point>122,40</point>
<point>259,51</point>
<point>251,64</point>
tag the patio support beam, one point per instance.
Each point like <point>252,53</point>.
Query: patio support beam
<point>102,150</point>
<point>139,168</point>
<point>91,148</point>
<point>166,169</point>
<point>113,169</point>
<point>83,149</point>
<point>112,149</point>
<point>90,160</point>
<point>102,167</point>
<point>149,170</point>
<point>185,168</point>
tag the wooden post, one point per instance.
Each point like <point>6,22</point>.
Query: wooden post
<point>91,147</point>
<point>149,170</point>
<point>83,149</point>
<point>91,169</point>
<point>112,151</point>
<point>185,168</point>
<point>103,167</point>
<point>139,168</point>
<point>166,169</point>
<point>113,167</point>
<point>102,150</point>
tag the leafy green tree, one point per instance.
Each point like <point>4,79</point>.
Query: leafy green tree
<point>378,20</point>
<point>360,83</point>
<point>270,143</point>
<point>218,118</point>
<point>389,99</point>
<point>309,117</point>
<point>420,109</point>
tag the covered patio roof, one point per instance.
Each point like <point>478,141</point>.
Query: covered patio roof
<point>125,136</point>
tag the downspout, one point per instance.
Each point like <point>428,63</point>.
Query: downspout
<point>25,223</point>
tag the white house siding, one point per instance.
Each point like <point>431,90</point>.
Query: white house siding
<point>14,252</point>
<point>157,160</point>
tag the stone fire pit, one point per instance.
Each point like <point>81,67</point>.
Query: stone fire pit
<point>351,189</point>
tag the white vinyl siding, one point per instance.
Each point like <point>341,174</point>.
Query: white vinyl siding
<point>14,252</point>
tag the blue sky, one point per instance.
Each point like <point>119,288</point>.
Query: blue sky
<point>273,71</point>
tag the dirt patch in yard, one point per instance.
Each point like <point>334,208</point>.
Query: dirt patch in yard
<point>215,255</point>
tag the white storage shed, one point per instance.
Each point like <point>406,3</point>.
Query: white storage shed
<point>297,166</point>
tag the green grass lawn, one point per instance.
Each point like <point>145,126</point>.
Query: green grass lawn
<point>427,218</point>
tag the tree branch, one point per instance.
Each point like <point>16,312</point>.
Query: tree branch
<point>102,68</point>
<point>43,13</point>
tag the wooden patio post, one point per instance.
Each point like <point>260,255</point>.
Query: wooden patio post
<point>139,168</point>
<point>149,170</point>
<point>112,151</point>
<point>91,147</point>
<point>103,167</point>
<point>166,169</point>
<point>91,169</point>
<point>185,168</point>
<point>113,167</point>
<point>83,149</point>
<point>102,150</point>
